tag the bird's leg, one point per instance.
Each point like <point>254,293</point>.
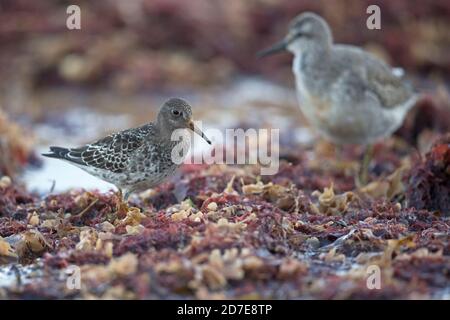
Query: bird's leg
<point>342,161</point>
<point>363,176</point>
<point>126,196</point>
<point>122,205</point>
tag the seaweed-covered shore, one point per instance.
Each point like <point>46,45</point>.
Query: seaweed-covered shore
<point>215,232</point>
<point>223,232</point>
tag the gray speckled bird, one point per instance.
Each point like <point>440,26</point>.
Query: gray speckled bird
<point>139,158</point>
<point>346,93</point>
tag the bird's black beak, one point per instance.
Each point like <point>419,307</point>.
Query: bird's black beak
<point>276,48</point>
<point>194,128</point>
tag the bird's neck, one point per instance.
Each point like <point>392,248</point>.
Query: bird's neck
<point>165,132</point>
<point>311,58</point>
<point>169,135</point>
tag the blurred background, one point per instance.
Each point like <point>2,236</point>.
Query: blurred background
<point>68,87</point>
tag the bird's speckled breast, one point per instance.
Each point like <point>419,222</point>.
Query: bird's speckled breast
<point>153,164</point>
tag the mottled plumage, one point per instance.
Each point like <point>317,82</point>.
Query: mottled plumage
<point>139,158</point>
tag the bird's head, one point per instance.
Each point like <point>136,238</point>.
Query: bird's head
<point>175,114</point>
<point>306,30</point>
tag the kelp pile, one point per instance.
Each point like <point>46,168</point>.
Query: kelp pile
<point>224,232</point>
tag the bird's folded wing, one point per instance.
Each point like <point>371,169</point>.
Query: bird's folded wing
<point>374,74</point>
<point>391,90</point>
<point>112,152</point>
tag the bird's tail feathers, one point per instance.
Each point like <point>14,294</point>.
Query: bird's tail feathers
<point>57,152</point>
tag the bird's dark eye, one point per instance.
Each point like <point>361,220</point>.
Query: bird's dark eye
<point>175,112</point>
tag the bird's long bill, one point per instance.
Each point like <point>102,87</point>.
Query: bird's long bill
<point>276,48</point>
<point>194,128</point>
